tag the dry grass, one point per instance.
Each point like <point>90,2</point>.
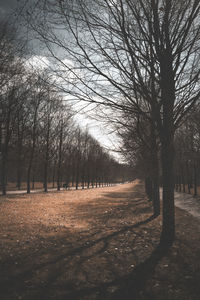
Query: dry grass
<point>94,244</point>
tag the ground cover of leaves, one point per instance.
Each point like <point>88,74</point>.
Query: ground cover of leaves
<point>94,244</point>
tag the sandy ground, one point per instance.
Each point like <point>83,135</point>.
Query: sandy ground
<point>94,244</point>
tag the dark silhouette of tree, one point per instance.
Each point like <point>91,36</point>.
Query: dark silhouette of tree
<point>187,153</point>
<point>140,146</point>
<point>136,56</point>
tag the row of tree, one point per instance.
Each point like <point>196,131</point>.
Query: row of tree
<point>140,145</point>
<point>139,57</point>
<point>187,159</point>
<point>142,149</point>
<point>39,140</point>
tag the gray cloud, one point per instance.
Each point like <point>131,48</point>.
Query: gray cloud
<point>6,6</point>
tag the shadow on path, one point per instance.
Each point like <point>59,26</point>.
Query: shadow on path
<point>128,287</point>
<point>132,286</point>
<point>89,266</point>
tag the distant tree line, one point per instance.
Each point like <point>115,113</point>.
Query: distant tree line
<point>141,148</point>
<point>39,141</point>
<point>140,145</point>
<point>187,158</point>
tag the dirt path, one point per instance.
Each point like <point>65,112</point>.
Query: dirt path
<point>188,203</point>
<point>93,244</point>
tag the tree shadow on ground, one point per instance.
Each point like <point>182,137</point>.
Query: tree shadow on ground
<point>127,287</point>
<point>56,275</point>
<point>132,286</point>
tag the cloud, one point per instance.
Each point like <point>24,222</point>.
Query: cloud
<point>37,62</point>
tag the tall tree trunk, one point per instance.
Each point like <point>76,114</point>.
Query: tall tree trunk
<point>73,170</point>
<point>46,171</point>
<point>59,157</point>
<point>88,175</point>
<point>83,176</point>
<point>20,136</point>
<point>156,194</point>
<point>180,183</point>
<point>33,182</point>
<point>183,180</point>
<point>155,173</point>
<point>188,176</point>
<point>53,175</point>
<point>5,138</point>
<point>32,147</point>
<point>28,179</point>
<point>168,227</point>
<point>19,162</point>
<point>46,162</point>
<point>4,157</point>
<point>182,176</point>
<point>19,174</point>
<point>67,177</point>
<point>3,171</point>
<point>77,171</point>
<point>195,179</point>
<point>167,146</point>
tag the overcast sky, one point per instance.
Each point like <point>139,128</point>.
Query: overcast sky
<point>7,6</point>
<point>100,132</point>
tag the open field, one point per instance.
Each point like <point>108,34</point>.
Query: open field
<point>94,244</point>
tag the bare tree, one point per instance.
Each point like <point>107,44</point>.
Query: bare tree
<point>11,74</point>
<point>140,147</point>
<point>36,101</point>
<point>138,56</point>
<point>64,138</point>
<point>187,149</point>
